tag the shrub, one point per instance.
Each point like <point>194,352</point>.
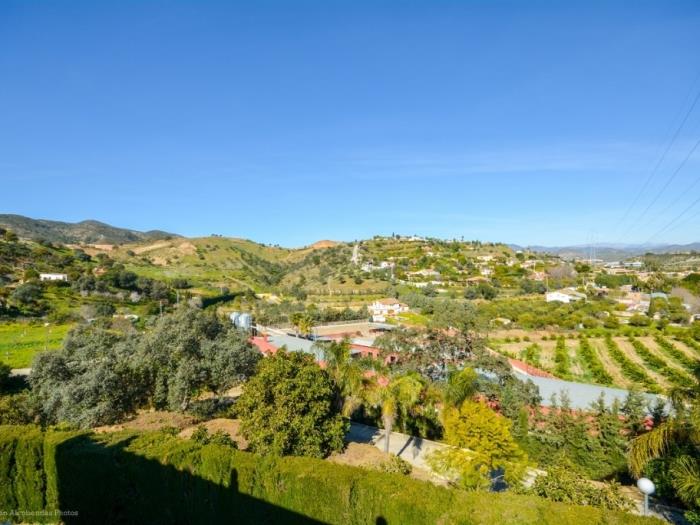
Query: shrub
<point>672,350</point>
<point>561,358</point>
<point>156,478</point>
<point>563,484</point>
<point>396,465</point>
<point>629,369</point>
<point>659,365</point>
<point>593,363</point>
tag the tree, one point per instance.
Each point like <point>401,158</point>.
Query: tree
<point>4,374</point>
<point>460,385</point>
<point>303,322</point>
<point>461,316</point>
<point>26,293</point>
<point>100,376</point>
<point>480,443</point>
<point>395,398</point>
<point>10,236</point>
<point>347,375</point>
<point>89,382</point>
<point>228,361</point>
<point>189,351</point>
<point>676,441</point>
<point>288,408</point>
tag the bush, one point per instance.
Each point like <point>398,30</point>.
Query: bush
<point>563,484</point>
<point>396,465</point>
<point>630,369</point>
<point>593,363</point>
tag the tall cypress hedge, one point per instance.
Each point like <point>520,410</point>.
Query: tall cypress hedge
<point>156,478</point>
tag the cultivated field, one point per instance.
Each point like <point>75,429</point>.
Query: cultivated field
<point>19,342</point>
<point>653,364</point>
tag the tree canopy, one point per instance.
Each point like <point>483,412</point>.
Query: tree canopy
<point>289,408</point>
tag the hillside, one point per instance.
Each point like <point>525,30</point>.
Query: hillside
<point>612,252</point>
<point>84,232</point>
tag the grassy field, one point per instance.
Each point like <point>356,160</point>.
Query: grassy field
<point>19,342</point>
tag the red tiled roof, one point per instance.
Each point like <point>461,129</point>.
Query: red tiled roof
<point>529,369</point>
<point>265,347</point>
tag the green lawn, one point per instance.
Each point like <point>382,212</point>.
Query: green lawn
<point>19,342</point>
<point>413,318</point>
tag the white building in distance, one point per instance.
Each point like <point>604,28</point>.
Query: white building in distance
<point>383,308</point>
<point>53,277</point>
<point>567,295</point>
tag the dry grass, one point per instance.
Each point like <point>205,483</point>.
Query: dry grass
<point>146,421</point>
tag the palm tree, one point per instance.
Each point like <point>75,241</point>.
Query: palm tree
<point>303,323</point>
<point>460,385</point>
<point>347,375</point>
<point>396,396</point>
<point>678,439</point>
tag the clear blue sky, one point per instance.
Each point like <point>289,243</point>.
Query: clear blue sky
<point>289,122</point>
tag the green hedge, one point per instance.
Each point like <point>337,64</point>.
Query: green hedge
<point>158,478</point>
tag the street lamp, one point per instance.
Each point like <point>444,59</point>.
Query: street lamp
<point>646,487</point>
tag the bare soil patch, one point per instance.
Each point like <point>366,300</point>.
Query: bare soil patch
<point>151,420</point>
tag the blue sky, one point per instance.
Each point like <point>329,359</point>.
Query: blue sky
<point>289,122</point>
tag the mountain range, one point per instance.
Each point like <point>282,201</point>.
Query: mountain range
<point>84,232</point>
<point>95,232</point>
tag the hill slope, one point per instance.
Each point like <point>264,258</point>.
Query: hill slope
<point>85,232</point>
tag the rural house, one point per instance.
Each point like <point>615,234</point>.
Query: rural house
<point>383,308</point>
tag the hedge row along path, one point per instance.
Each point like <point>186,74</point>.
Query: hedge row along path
<point>157,478</point>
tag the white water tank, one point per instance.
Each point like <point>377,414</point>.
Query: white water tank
<point>234,316</point>
<point>245,321</point>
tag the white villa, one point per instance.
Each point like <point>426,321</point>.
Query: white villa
<point>566,295</point>
<point>53,277</point>
<point>383,308</point>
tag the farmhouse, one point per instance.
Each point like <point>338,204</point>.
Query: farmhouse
<point>566,295</point>
<point>53,277</point>
<point>383,308</point>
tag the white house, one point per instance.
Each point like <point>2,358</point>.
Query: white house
<point>567,295</point>
<point>426,273</point>
<point>383,265</point>
<point>53,277</point>
<point>383,308</point>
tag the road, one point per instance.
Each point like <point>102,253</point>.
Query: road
<point>410,448</point>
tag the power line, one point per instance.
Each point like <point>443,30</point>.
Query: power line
<point>685,192</point>
<point>670,180</point>
<point>660,161</point>
<point>676,218</point>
